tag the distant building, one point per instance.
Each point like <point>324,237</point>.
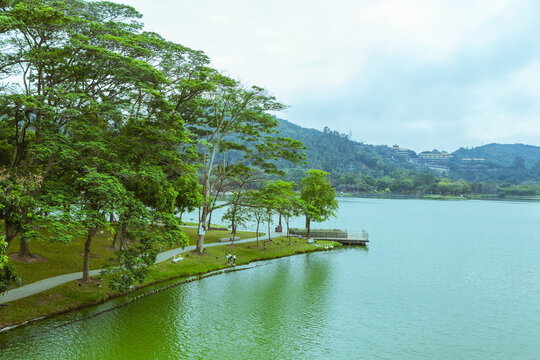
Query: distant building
<point>434,155</point>
<point>470,160</point>
<point>401,151</point>
<point>435,160</point>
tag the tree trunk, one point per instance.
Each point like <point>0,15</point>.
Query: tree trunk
<point>11,232</point>
<point>308,225</point>
<point>269,237</point>
<point>123,242</point>
<point>119,235</point>
<point>24,250</point>
<point>200,238</point>
<point>257,233</point>
<point>288,232</point>
<point>123,239</point>
<point>279,221</point>
<point>209,220</point>
<point>86,269</point>
<point>115,240</point>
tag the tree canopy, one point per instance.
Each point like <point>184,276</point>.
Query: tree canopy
<point>105,127</point>
<point>318,197</point>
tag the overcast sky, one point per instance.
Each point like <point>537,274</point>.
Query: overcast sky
<point>423,74</point>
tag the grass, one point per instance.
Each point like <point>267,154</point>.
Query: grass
<point>214,257</point>
<point>68,258</point>
<point>71,296</point>
<point>60,299</point>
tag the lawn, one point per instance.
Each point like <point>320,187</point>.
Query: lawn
<point>68,258</point>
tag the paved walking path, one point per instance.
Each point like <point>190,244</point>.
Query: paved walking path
<point>49,283</point>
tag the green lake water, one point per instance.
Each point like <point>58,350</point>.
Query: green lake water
<point>439,280</point>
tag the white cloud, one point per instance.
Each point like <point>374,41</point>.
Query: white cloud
<point>220,19</point>
<point>275,39</point>
<point>506,108</point>
<point>314,53</point>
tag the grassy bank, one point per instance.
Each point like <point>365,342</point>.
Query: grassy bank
<point>67,258</point>
<point>72,296</point>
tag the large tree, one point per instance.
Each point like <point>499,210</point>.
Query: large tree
<point>69,66</point>
<point>234,129</point>
<point>91,101</point>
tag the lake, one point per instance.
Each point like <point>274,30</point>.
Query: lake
<point>439,280</point>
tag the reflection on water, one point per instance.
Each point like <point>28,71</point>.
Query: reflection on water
<point>445,280</point>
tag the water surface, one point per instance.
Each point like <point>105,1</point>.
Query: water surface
<point>440,280</point>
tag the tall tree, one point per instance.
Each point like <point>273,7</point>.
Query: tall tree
<point>87,109</point>
<point>75,61</point>
<point>233,125</point>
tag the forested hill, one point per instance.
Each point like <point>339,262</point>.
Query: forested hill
<point>338,154</point>
<point>502,154</point>
<point>348,160</point>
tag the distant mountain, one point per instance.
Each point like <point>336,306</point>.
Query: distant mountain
<point>346,159</point>
<point>502,154</point>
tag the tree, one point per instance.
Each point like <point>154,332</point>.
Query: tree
<point>232,124</point>
<point>318,197</point>
<point>253,208</point>
<point>99,195</point>
<point>78,64</point>
<point>235,216</point>
<point>284,200</point>
<point>238,183</point>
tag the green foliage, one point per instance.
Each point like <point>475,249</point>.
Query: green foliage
<point>255,208</point>
<point>318,197</point>
<point>360,168</point>
<point>7,273</point>
<point>337,154</point>
<point>236,135</point>
<point>111,127</point>
<point>131,266</point>
<point>502,154</point>
<point>518,190</point>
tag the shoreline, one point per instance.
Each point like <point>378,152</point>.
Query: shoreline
<point>154,280</point>
<point>525,198</point>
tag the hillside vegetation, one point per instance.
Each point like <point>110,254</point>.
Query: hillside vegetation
<point>504,169</point>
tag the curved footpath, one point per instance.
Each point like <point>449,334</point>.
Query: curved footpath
<point>46,284</point>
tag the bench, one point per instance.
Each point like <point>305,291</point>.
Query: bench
<point>230,238</point>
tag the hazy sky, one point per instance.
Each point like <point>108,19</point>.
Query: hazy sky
<point>423,74</point>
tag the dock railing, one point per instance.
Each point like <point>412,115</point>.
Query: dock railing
<point>331,234</point>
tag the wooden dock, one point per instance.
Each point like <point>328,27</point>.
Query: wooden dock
<point>343,237</point>
<point>352,240</point>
